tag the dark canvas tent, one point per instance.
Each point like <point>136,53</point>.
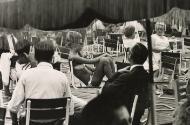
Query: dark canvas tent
<point>61,14</point>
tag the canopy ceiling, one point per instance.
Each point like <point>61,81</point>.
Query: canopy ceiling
<point>62,14</point>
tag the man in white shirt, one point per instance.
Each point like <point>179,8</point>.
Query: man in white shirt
<point>42,82</point>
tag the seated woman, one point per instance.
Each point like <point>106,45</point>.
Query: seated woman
<point>103,64</point>
<point>24,62</point>
<point>160,43</point>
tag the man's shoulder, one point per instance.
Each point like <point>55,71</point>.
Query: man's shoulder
<point>58,72</point>
<point>32,72</point>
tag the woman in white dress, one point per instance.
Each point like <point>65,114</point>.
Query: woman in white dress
<point>160,43</point>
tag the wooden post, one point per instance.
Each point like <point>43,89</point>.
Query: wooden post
<point>151,80</point>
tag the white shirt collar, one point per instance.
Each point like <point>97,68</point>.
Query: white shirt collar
<point>45,64</point>
<point>133,66</point>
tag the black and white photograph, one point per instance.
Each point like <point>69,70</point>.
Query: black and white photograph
<point>94,62</point>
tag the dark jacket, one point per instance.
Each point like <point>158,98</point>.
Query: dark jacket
<point>124,86</point>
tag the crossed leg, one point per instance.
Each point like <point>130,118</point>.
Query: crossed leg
<point>104,67</point>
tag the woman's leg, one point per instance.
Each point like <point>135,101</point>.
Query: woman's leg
<point>83,75</point>
<point>104,67</point>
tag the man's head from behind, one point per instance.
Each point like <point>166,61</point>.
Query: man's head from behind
<point>44,51</point>
<point>104,110</point>
<point>138,54</point>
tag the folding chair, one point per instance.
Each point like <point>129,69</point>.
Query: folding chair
<point>134,107</point>
<point>67,65</point>
<point>115,43</point>
<point>166,75</point>
<point>99,39</point>
<point>180,90</point>
<point>2,115</point>
<point>47,110</point>
<point>89,44</point>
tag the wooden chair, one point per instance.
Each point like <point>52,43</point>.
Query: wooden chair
<point>180,90</point>
<point>99,39</point>
<point>116,45</point>
<point>167,60</point>
<point>167,67</point>
<point>47,110</point>
<point>166,76</point>
<point>66,65</point>
<point>2,115</point>
<point>134,107</point>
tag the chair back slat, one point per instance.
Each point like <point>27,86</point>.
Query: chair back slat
<point>171,55</point>
<point>48,103</point>
<point>168,65</point>
<point>186,42</point>
<point>2,115</point>
<point>45,114</point>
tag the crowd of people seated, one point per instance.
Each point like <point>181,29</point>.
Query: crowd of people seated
<point>36,78</point>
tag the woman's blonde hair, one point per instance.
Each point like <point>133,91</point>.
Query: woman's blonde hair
<point>158,24</point>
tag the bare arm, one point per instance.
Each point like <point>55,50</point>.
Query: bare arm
<point>157,48</point>
<point>85,60</point>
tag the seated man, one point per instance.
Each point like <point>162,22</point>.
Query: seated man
<point>42,82</point>
<point>132,81</point>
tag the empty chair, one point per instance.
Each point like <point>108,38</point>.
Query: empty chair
<point>167,67</point>
<point>47,110</point>
<point>166,75</point>
<point>180,90</point>
<point>168,58</point>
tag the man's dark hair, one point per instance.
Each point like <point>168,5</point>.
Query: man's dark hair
<point>129,31</point>
<point>138,53</point>
<point>23,47</point>
<point>44,51</point>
